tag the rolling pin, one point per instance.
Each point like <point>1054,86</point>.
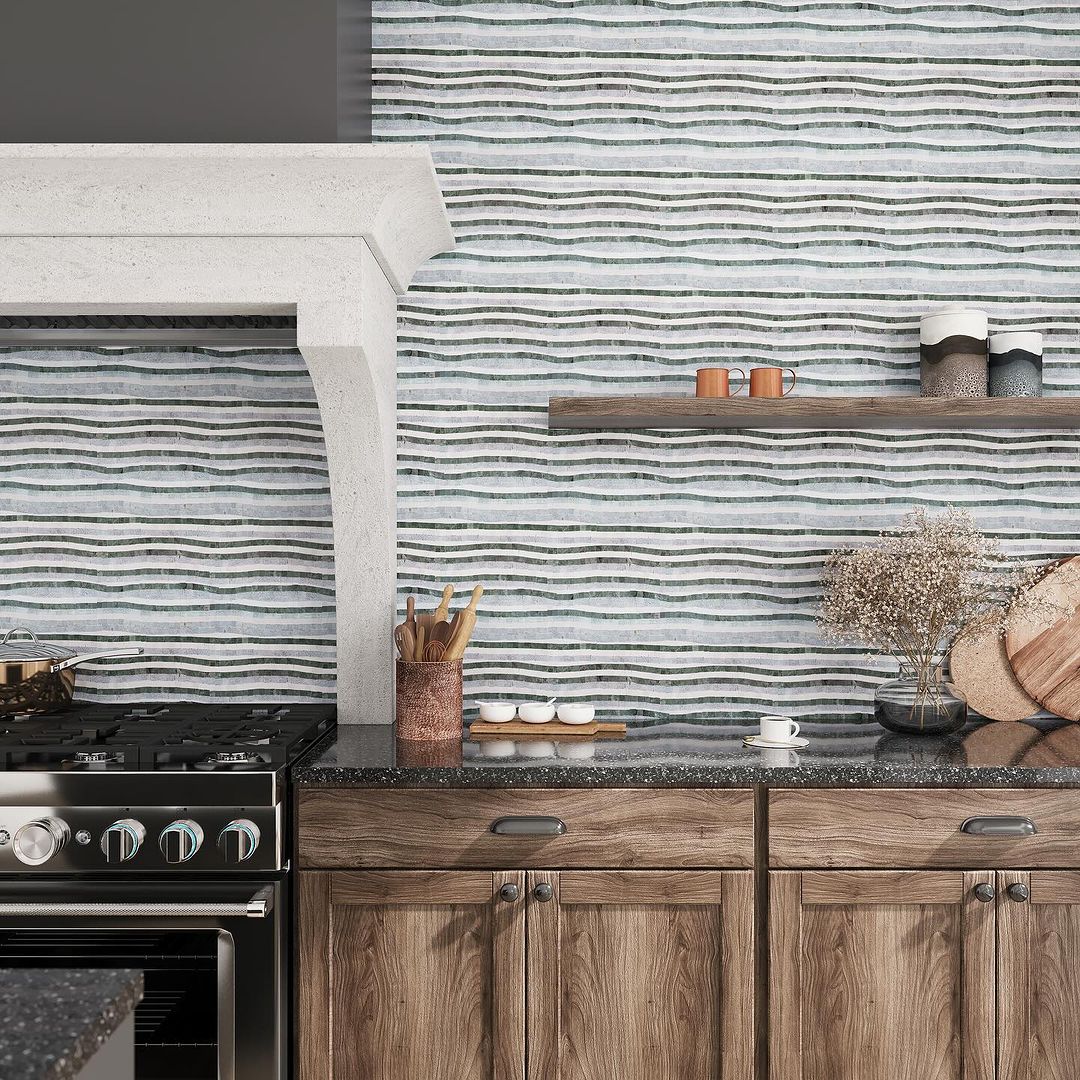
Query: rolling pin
<point>442,612</point>
<point>464,622</point>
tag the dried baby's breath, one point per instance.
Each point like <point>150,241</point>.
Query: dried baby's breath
<point>915,590</point>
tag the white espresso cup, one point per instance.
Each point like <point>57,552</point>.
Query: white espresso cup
<point>778,729</point>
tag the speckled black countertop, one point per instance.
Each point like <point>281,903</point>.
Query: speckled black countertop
<point>708,753</point>
<point>56,1019</point>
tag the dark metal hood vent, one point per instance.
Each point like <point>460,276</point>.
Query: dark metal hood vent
<point>135,331</point>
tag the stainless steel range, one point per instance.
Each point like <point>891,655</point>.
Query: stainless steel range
<point>157,838</point>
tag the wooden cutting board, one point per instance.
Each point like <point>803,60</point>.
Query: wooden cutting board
<point>518,729</point>
<point>1046,658</point>
<point>979,669</point>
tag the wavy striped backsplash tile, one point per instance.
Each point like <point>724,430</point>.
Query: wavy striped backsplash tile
<point>642,188</point>
<point>176,499</point>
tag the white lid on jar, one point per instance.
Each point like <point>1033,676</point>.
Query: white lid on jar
<point>946,322</point>
<point>1029,340</point>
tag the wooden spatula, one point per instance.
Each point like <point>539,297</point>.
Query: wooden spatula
<point>410,616</point>
<point>465,623</point>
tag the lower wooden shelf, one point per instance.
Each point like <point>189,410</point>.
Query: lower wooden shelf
<point>821,413</point>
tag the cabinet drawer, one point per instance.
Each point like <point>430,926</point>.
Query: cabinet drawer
<point>349,827</point>
<point>891,828</point>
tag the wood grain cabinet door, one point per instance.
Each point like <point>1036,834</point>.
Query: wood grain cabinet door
<point>882,975</point>
<point>412,975</point>
<point>640,975</point>
<point>1039,975</point>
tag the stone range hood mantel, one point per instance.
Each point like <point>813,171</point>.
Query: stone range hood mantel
<point>332,233</point>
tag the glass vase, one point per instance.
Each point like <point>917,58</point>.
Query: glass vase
<point>920,702</point>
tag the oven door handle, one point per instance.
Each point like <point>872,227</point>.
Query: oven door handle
<point>258,907</point>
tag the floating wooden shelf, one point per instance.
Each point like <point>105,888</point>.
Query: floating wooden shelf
<point>820,413</point>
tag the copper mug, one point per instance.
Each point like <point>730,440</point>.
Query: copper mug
<point>769,382</point>
<point>713,382</point>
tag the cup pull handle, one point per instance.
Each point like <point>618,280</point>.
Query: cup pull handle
<point>999,826</point>
<point>794,380</point>
<point>529,826</point>
<point>738,389</point>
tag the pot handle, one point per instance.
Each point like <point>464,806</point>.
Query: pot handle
<point>18,630</point>
<point>71,661</point>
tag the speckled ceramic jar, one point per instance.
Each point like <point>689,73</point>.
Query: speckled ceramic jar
<point>952,347</point>
<point>1016,364</point>
<point>429,705</point>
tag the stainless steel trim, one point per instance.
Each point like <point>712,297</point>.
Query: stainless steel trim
<point>999,826</point>
<point>226,996</point>
<point>531,825</point>
<point>258,907</point>
<point>71,661</point>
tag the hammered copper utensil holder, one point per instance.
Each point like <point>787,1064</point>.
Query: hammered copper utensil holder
<point>429,705</point>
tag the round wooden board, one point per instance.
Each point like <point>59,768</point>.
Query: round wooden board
<point>979,669</point>
<point>1046,657</point>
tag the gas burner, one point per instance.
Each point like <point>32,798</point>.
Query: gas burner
<point>93,759</point>
<point>230,760</point>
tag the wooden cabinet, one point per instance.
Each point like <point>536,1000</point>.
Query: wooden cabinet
<point>1038,975</point>
<point>410,975</point>
<point>582,975</point>
<point>641,975</point>
<point>917,974</point>
<point>886,975</point>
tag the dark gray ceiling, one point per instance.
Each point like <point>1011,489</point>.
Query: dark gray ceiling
<point>197,71</point>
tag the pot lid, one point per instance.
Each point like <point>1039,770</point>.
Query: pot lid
<point>21,644</point>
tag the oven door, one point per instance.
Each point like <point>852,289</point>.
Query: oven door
<point>212,955</point>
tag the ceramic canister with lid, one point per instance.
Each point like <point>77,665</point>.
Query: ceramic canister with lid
<point>1016,364</point>
<point>952,347</point>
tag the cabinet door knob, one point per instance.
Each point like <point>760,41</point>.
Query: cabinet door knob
<point>984,892</point>
<point>543,892</point>
<point>509,892</point>
<point>1018,891</point>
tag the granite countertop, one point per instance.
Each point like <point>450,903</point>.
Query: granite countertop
<point>55,1019</point>
<point>708,753</point>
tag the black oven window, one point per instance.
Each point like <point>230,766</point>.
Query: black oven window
<point>176,1023</point>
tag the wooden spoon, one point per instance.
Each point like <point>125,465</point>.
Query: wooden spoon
<point>405,640</point>
<point>418,656</point>
<point>440,632</point>
<point>466,622</point>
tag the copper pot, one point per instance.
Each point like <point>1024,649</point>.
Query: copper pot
<point>36,677</point>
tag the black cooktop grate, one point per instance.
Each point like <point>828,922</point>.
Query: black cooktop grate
<point>183,736</point>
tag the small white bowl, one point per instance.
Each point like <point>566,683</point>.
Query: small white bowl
<point>576,714</point>
<point>536,712</point>
<point>497,712</point>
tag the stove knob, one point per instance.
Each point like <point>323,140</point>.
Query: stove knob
<point>122,839</point>
<point>238,840</point>
<point>38,841</point>
<point>180,840</point>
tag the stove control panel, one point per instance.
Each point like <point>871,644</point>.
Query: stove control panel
<point>74,839</point>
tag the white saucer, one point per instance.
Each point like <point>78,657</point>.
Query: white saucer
<point>766,744</point>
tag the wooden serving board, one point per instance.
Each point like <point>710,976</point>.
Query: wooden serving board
<point>1046,658</point>
<point>979,668</point>
<point>553,729</point>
